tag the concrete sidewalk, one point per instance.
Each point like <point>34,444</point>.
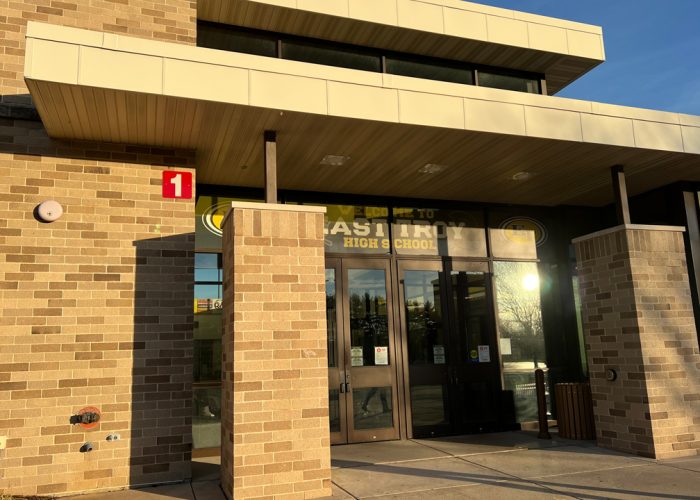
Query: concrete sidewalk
<point>512,465</point>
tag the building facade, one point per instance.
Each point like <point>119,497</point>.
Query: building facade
<point>291,224</point>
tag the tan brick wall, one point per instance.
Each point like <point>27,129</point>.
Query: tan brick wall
<point>638,320</point>
<point>169,21</point>
<point>96,310</point>
<point>275,430</point>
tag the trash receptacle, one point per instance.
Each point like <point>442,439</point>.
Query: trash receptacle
<point>574,411</point>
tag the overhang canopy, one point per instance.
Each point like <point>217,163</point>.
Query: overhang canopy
<point>104,87</point>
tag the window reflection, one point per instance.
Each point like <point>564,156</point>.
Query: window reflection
<point>520,326</point>
<point>331,316</point>
<point>426,342</point>
<point>471,308</point>
<point>369,329</point>
<point>206,418</point>
<point>372,408</point>
<point>509,82</point>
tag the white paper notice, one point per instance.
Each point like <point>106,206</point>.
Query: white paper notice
<point>438,354</point>
<point>505,347</point>
<point>484,354</point>
<point>381,355</point>
<point>356,356</point>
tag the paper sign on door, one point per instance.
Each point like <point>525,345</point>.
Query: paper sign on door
<point>356,356</point>
<point>484,354</point>
<point>438,354</point>
<point>381,355</point>
<point>506,348</point>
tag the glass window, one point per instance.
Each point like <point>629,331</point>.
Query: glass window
<point>426,338</point>
<point>438,70</point>
<point>427,231</point>
<point>331,318</point>
<point>522,338</point>
<point>509,82</point>
<point>369,328</point>
<point>372,408</point>
<point>206,429</point>
<point>516,237</point>
<point>579,325</point>
<point>334,410</point>
<point>222,37</point>
<point>209,215</point>
<point>320,53</point>
<point>472,312</point>
<point>356,229</point>
<point>206,418</point>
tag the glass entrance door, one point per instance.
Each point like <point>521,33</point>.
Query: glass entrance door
<point>362,350</point>
<point>426,352</point>
<point>452,365</point>
<point>478,402</point>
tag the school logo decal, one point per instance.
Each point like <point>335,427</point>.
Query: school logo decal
<point>515,226</point>
<point>213,217</point>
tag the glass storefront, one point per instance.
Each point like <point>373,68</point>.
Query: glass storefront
<point>472,328</point>
<point>206,418</point>
<point>522,346</point>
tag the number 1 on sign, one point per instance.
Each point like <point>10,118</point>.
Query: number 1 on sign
<point>177,184</point>
<point>176,181</point>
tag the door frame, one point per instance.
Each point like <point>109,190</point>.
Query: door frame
<point>342,373</point>
<point>336,374</point>
<point>420,264</point>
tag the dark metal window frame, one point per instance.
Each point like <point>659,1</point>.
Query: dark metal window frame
<point>381,54</point>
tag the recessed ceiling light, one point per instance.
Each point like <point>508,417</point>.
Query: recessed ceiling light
<point>431,168</point>
<point>522,176</point>
<point>335,160</point>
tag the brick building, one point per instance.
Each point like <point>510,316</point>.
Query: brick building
<point>382,214</point>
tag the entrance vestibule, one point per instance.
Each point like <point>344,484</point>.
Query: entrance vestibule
<point>412,349</point>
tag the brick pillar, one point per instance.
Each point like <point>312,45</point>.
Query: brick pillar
<point>275,432</point>
<point>638,320</point>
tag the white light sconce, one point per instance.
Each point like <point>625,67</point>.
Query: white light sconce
<point>49,211</point>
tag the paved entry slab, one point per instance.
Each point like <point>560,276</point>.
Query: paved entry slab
<point>356,455</point>
<point>505,466</point>
<point>414,476</point>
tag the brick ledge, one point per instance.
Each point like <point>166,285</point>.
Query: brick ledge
<point>626,227</point>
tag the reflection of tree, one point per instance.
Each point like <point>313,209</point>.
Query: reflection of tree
<point>519,311</point>
<point>368,323</point>
<point>423,325</point>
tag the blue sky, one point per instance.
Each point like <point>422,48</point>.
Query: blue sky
<point>652,50</point>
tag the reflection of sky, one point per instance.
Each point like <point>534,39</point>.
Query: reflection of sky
<point>366,280</point>
<point>330,282</point>
<point>207,291</point>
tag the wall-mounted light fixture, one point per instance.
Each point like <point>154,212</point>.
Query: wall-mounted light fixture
<point>49,211</point>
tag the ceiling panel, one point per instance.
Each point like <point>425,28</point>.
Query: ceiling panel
<point>385,157</point>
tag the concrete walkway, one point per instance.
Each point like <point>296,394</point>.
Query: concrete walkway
<point>512,465</point>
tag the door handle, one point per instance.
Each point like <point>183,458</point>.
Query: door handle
<point>345,386</point>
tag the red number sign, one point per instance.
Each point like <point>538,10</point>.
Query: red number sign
<point>177,184</point>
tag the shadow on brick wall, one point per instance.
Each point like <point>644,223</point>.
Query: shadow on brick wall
<point>23,134</point>
<point>155,277</point>
<point>161,426</point>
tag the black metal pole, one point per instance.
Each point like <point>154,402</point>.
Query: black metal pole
<point>541,405</point>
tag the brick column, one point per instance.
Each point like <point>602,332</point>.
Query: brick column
<point>275,432</point>
<point>638,321</point>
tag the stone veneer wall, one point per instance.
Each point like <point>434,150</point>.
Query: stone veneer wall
<point>95,310</point>
<point>172,21</point>
<point>638,321</point>
<point>275,429</point>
